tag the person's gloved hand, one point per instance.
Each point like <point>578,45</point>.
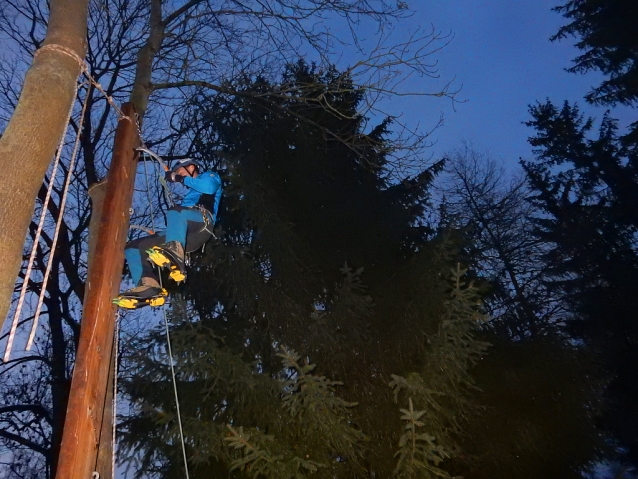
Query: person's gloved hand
<point>172,176</point>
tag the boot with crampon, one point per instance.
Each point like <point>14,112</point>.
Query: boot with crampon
<point>170,255</point>
<point>148,292</point>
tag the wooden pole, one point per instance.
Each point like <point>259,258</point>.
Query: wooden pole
<point>104,461</point>
<point>83,425</point>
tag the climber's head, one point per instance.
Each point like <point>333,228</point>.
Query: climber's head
<point>186,167</point>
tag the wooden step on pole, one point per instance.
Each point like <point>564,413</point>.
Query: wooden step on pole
<point>83,425</point>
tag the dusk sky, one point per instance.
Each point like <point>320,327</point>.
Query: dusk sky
<point>502,57</point>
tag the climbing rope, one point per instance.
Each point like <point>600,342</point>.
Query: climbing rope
<point>38,233</point>
<point>84,69</point>
<point>167,192</point>
<point>58,223</point>
<point>168,339</point>
<point>179,415</point>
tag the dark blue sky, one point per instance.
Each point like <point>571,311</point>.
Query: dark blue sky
<point>502,57</point>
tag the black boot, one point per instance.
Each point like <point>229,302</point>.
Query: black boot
<point>148,292</point>
<point>171,256</point>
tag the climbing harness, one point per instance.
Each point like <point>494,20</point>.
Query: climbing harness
<point>164,257</point>
<point>208,221</point>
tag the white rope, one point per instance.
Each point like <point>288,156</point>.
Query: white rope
<point>58,224</point>
<point>36,239</point>
<point>85,70</point>
<point>179,415</point>
<point>168,339</point>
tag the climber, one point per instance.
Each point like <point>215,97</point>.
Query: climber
<point>188,227</point>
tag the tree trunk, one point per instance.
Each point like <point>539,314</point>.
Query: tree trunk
<point>29,142</point>
<point>143,84</point>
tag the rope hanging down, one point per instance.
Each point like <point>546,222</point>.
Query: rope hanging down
<point>38,233</point>
<point>168,334</point>
<point>54,243</point>
<point>84,69</point>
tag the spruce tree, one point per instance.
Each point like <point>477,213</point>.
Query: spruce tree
<point>584,187</point>
<point>329,332</point>
<point>608,38</point>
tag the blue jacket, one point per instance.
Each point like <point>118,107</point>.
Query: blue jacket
<point>205,190</point>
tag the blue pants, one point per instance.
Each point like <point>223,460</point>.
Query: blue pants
<point>177,220</point>
<point>182,224</point>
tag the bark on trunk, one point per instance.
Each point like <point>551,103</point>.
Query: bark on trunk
<point>143,84</point>
<point>28,144</point>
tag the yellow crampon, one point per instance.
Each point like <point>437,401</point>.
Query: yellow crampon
<point>176,275</point>
<point>157,256</point>
<point>134,303</point>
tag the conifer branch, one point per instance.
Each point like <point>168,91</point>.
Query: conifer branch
<point>442,388</point>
